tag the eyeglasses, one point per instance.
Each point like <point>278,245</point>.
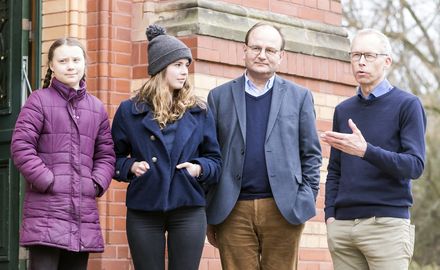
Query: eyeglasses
<point>369,57</point>
<point>256,50</point>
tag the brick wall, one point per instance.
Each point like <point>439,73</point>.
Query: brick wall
<point>113,32</point>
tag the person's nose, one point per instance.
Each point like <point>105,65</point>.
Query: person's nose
<point>184,70</point>
<point>362,60</point>
<point>70,65</point>
<point>262,54</point>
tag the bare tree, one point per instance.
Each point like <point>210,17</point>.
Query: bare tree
<point>413,27</point>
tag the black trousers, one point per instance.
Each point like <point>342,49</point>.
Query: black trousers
<point>51,258</point>
<point>185,228</point>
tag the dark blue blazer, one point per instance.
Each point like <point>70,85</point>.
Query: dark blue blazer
<point>137,137</point>
<point>292,149</point>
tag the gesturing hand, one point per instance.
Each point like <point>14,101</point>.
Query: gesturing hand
<point>139,168</point>
<point>353,144</point>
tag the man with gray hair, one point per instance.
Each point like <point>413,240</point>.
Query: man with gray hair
<point>378,146</point>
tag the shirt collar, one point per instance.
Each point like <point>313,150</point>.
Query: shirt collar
<point>381,89</point>
<point>251,89</point>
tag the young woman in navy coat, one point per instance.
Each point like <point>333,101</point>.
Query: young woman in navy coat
<point>166,148</point>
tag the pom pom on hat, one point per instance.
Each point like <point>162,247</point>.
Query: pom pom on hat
<point>154,31</point>
<point>164,49</point>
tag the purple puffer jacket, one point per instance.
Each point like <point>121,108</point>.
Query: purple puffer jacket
<point>63,147</point>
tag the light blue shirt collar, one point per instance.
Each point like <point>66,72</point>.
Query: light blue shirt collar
<point>381,89</point>
<point>251,89</point>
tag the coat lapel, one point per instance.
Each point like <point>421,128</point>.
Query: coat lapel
<point>186,127</point>
<point>238,94</point>
<point>148,121</point>
<point>279,89</point>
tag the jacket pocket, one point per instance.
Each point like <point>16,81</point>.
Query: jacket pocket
<point>193,181</point>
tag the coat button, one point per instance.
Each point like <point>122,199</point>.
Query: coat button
<point>118,172</point>
<point>152,138</point>
<point>154,159</point>
<point>238,177</point>
<point>242,152</point>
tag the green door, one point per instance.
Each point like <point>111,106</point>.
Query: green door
<point>13,49</point>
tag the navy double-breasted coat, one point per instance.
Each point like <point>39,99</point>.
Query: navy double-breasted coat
<point>137,137</point>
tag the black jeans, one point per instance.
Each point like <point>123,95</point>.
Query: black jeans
<point>51,258</point>
<point>186,230</point>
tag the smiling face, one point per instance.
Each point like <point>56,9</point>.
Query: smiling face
<point>262,53</point>
<point>68,65</point>
<point>370,73</point>
<point>176,74</point>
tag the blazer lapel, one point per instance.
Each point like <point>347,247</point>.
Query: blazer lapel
<point>238,94</point>
<point>278,91</point>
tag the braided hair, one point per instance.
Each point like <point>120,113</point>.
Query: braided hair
<point>57,43</point>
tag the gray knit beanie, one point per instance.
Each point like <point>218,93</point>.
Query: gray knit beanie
<point>164,49</point>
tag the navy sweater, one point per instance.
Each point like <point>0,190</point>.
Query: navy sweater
<point>255,183</point>
<point>379,183</point>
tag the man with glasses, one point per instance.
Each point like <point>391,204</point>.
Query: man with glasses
<point>271,161</point>
<point>378,146</point>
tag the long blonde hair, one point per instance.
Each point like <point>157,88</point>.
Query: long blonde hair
<point>167,107</point>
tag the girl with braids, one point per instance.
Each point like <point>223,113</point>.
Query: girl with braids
<point>62,146</point>
<point>166,148</point>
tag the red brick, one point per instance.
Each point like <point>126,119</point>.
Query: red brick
<point>257,4</point>
<point>205,42</point>
<point>311,14</point>
<point>191,42</point>
<point>143,52</point>
<point>122,86</point>
<point>121,20</point>
<point>232,53</point>
<point>123,252</point>
<point>310,3</point>
<point>123,7</point>
<point>320,202</point>
<point>102,81</point>
<point>135,54</point>
<point>122,59</point>
<point>300,64</point>
<point>92,31</point>
<point>284,7</point>
<point>208,251</point>
<point>119,223</point>
<point>92,44</point>
<point>109,252</point>
<point>120,46</point>
<point>332,18</point>
<point>117,98</point>
<point>116,237</point>
<point>207,54</point>
<point>115,265</point>
<point>117,209</point>
<point>140,72</point>
<point>308,266</point>
<point>313,254</point>
<point>299,2</point>
<point>233,72</point>
<point>237,2</point>
<point>120,71</point>
<point>123,34</point>
<point>92,71</point>
<point>335,6</point>
<point>323,4</point>
<point>214,264</point>
<point>92,5</point>
<point>324,125</point>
